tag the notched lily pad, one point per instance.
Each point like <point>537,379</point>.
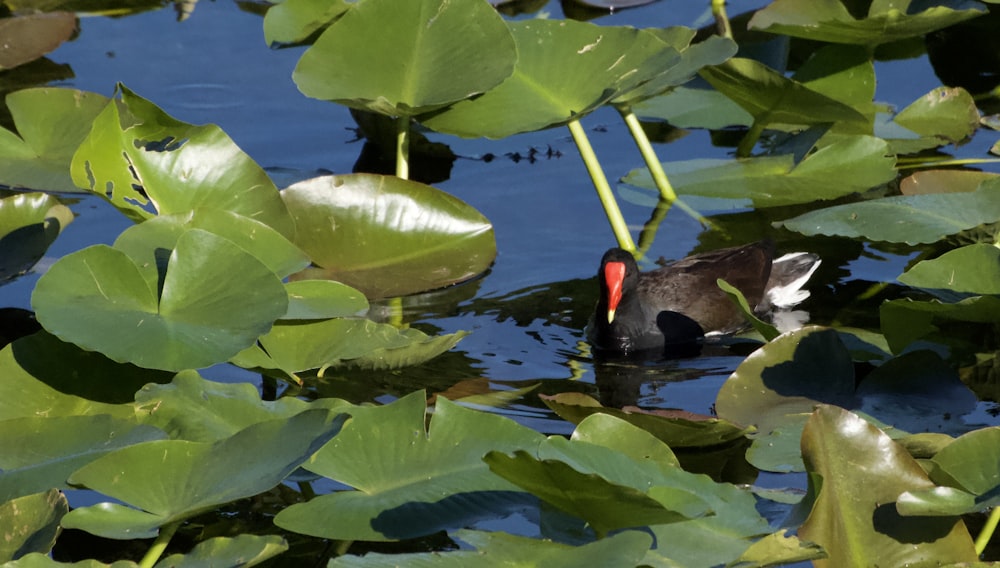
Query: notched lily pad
<point>29,223</point>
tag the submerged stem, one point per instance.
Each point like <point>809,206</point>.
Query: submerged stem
<point>602,186</point>
<point>403,147</point>
<point>159,545</point>
<point>667,193</point>
<point>987,533</point>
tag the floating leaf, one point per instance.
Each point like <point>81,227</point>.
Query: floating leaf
<point>243,550</point>
<point>910,219</point>
<point>410,481</point>
<point>404,59</point>
<point>323,299</point>
<point>171,480</point>
<point>565,69</point>
<point>29,223</point>
<point>969,270</point>
<point>293,21</point>
<point>30,36</point>
<point>499,550</point>
<point>842,452</point>
<point>52,123</point>
<point>101,300</point>
<point>138,157</point>
<point>830,21</point>
<point>31,524</point>
<point>946,113</point>
<point>904,321</point>
<point>767,331</point>
<point>944,181</point>
<point>388,236</point>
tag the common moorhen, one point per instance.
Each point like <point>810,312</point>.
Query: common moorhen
<point>681,302</point>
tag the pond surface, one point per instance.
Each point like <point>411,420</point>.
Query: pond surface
<point>528,312</point>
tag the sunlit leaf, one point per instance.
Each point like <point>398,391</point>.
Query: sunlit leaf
<point>691,107</point>
<point>565,69</point>
<point>170,480</point>
<point>969,270</point>
<point>293,21</point>
<point>911,219</point>
<point>243,550</point>
<point>30,524</point>
<point>388,236</point>
<point>946,113</point>
<point>842,452</point>
<point>145,162</point>
<point>938,501</point>
<point>906,320</point>
<point>99,299</point>
<point>969,463</point>
<point>767,331</point>
<point>29,223</point>
<point>830,21</point>
<point>323,299</point>
<point>409,480</point>
<point>778,548</point>
<point>403,59</point>
<point>52,123</point>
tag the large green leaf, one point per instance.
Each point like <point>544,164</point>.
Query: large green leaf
<point>52,123</point>
<point>501,550</point>
<point>410,481</point>
<point>911,219</point>
<point>170,480</point>
<point>41,453</point>
<point>967,471</point>
<point>969,270</point>
<point>772,98</point>
<point>101,300</point>
<point>30,524</point>
<point>852,164</point>
<point>842,452</point>
<point>565,69</point>
<point>295,346</point>
<point>146,162</point>
<point>142,241</point>
<point>830,21</point>
<point>388,236</point>
<point>29,223</point>
<point>402,59</point>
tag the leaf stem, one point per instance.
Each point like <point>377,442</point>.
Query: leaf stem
<point>403,147</point>
<point>618,225</point>
<point>721,19</point>
<point>987,533</point>
<point>159,545</point>
<point>750,140</point>
<point>655,168</point>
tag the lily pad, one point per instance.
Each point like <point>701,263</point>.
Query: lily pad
<point>101,300</point>
<point>52,123</point>
<point>388,236</point>
<point>171,480</point>
<point>30,36</point>
<point>966,470</point>
<point>944,181</point>
<point>565,70</point>
<point>145,162</point>
<point>949,114</point>
<point>323,299</point>
<point>29,223</point>
<point>965,271</point>
<point>830,21</point>
<point>404,59</point>
<point>904,321</point>
<point>31,523</point>
<point>410,480</point>
<point>842,452</point>
<point>294,21</point>
<point>243,550</point>
<point>910,219</point>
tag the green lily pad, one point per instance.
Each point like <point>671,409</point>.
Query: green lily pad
<point>31,523</point>
<point>830,21</point>
<point>145,162</point>
<point>911,219</point>
<point>29,223</point>
<point>41,453</point>
<point>388,236</point>
<point>969,270</point>
<point>171,480</point>
<point>500,550</point>
<point>969,462</point>
<point>692,107</point>
<point>52,123</point>
<point>949,114</point>
<point>845,73</point>
<point>410,480</point>
<point>243,550</point>
<point>938,502</point>
<point>851,164</point>
<point>269,246</point>
<point>296,346</point>
<point>905,321</point>
<point>99,299</point>
<point>323,299</point>
<point>565,70</point>
<point>842,452</point>
<point>294,21</point>
<point>766,330</point>
<point>779,548</point>
<point>404,59</point>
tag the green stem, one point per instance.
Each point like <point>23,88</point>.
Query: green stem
<point>403,147</point>
<point>655,167</point>
<point>648,232</point>
<point>159,545</point>
<point>306,489</point>
<point>721,19</point>
<point>602,186</point>
<point>987,533</point>
<point>750,140</point>
<point>395,306</point>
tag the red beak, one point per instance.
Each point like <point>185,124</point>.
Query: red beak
<point>614,275</point>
